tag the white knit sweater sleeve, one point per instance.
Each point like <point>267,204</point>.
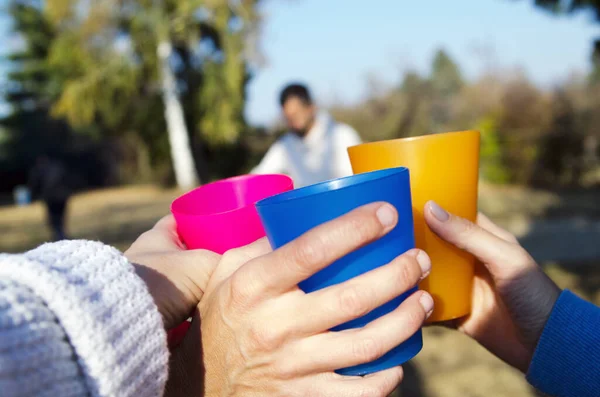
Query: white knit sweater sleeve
<point>75,320</point>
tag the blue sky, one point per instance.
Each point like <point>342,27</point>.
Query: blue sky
<point>334,44</point>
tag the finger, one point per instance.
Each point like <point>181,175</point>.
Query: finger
<point>166,222</point>
<point>285,267</point>
<point>167,226</point>
<point>355,298</point>
<point>504,260</point>
<point>162,237</point>
<point>379,384</point>
<point>233,259</point>
<point>179,278</point>
<point>333,350</point>
<point>485,223</point>
<point>197,266</point>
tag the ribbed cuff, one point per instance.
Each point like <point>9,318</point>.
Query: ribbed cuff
<point>565,362</point>
<point>106,311</point>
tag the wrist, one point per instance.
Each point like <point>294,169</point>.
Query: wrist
<point>532,310</point>
<point>546,303</point>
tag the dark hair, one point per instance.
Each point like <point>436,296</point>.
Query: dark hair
<point>295,90</point>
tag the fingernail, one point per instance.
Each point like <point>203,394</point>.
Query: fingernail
<point>426,302</point>
<point>424,262</point>
<point>386,215</point>
<point>437,211</point>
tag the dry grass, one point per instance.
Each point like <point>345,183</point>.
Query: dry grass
<point>114,216</point>
<point>450,364</point>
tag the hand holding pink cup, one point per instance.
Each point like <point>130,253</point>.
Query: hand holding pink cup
<point>221,215</point>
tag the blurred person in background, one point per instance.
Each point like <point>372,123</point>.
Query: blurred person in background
<point>49,182</point>
<point>314,149</point>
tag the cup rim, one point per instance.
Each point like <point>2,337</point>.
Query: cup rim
<point>174,211</point>
<point>331,185</point>
<point>440,135</point>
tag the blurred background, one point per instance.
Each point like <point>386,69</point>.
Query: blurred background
<point>122,93</point>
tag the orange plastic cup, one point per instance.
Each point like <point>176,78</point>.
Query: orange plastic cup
<point>444,168</point>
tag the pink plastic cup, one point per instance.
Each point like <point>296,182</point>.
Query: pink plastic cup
<point>221,215</point>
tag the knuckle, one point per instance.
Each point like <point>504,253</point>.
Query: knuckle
<point>147,235</point>
<point>365,227</point>
<point>367,349</point>
<point>144,239</point>
<point>307,255</point>
<point>285,369</point>
<point>465,231</point>
<point>467,228</point>
<point>253,250</point>
<point>238,291</point>
<point>414,317</point>
<point>522,258</point>
<point>354,301</point>
<point>264,339</point>
<point>511,238</point>
<point>409,271</point>
<point>235,255</point>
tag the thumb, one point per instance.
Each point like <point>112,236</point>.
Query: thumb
<point>235,258</point>
<point>196,266</point>
<point>504,259</point>
<point>526,291</point>
<point>177,280</point>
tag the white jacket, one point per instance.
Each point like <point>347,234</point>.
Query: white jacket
<point>319,156</point>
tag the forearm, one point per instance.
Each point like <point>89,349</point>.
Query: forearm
<point>76,320</point>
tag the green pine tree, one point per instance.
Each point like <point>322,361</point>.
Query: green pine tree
<point>32,88</point>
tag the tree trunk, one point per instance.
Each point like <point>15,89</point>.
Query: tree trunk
<point>181,152</point>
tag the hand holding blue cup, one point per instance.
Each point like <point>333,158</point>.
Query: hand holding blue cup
<point>287,216</point>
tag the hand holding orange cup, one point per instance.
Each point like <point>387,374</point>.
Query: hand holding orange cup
<point>443,168</point>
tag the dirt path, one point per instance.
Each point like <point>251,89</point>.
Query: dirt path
<point>552,227</point>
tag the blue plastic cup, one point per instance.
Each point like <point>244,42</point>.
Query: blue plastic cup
<point>288,215</point>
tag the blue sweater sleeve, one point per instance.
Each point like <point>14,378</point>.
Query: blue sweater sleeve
<point>566,362</point>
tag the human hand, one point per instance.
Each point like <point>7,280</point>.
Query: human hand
<point>176,277</point>
<point>512,296</point>
<point>261,335</point>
